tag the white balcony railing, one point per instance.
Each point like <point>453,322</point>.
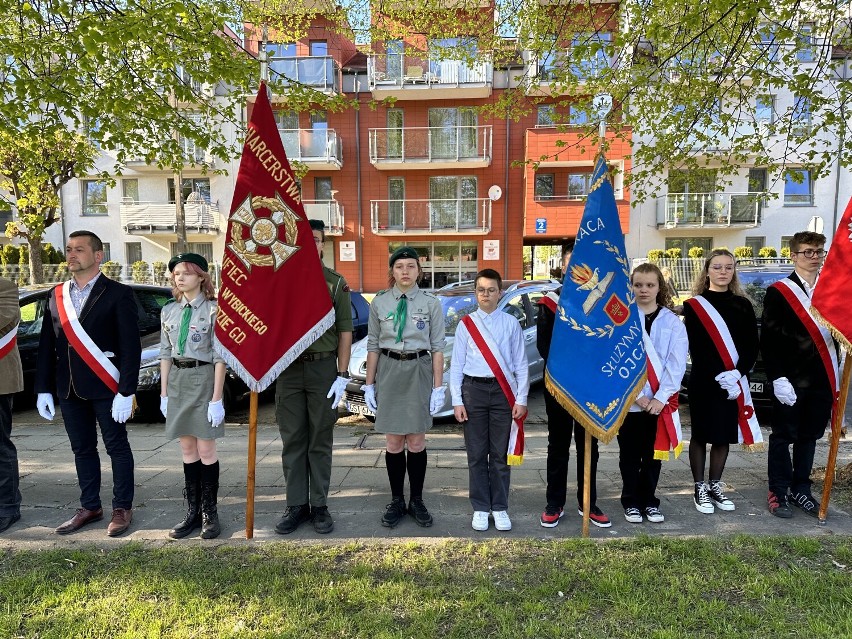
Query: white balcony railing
<point>318,72</point>
<point>431,144</point>
<point>388,71</point>
<point>395,217</point>
<point>329,211</point>
<point>710,209</point>
<point>153,217</point>
<point>312,145</point>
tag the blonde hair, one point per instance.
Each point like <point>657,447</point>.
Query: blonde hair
<point>702,280</point>
<point>664,295</point>
<point>206,281</point>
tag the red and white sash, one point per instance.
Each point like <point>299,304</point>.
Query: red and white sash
<point>550,300</point>
<point>801,305</point>
<point>488,347</point>
<point>749,430</point>
<point>669,435</point>
<point>8,341</point>
<point>80,341</point>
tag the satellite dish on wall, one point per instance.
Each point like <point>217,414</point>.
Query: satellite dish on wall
<point>495,193</point>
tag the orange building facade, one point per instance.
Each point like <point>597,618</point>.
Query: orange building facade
<point>416,158</point>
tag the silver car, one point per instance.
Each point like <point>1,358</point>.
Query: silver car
<point>519,299</point>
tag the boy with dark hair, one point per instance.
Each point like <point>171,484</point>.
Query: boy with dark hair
<point>489,382</point>
<point>801,362</point>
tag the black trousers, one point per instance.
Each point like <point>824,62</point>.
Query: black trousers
<point>10,494</point>
<point>560,425</point>
<point>799,426</point>
<point>640,472</point>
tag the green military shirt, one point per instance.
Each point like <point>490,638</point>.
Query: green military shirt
<point>339,291</point>
<point>423,330</point>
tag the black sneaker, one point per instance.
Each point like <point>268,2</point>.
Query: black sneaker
<point>417,509</point>
<point>293,517</point>
<point>323,523</point>
<point>806,502</point>
<point>394,512</point>
<point>778,505</point>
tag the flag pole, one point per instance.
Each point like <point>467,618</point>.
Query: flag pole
<point>837,424</point>
<point>250,467</point>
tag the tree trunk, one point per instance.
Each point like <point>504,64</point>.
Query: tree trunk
<point>36,271</point>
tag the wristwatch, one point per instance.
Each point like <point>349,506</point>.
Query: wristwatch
<point>344,374</point>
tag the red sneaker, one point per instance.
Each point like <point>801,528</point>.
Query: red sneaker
<point>551,516</point>
<point>597,517</point>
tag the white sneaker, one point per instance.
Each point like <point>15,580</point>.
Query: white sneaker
<point>633,515</point>
<point>702,501</point>
<point>501,520</point>
<point>480,520</point>
<point>717,495</point>
<point>654,515</point>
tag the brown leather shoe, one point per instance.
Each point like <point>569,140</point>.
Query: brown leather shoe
<point>82,517</point>
<point>120,522</point>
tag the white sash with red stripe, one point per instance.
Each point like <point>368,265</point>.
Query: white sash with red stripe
<point>80,341</point>
<point>749,430</point>
<point>801,305</point>
<point>8,341</point>
<point>550,300</point>
<point>669,435</point>
<point>488,347</point>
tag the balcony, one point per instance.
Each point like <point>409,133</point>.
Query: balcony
<point>709,210</point>
<point>459,147</point>
<point>321,73</point>
<point>407,77</point>
<point>329,211</point>
<point>142,218</point>
<point>409,217</point>
<point>319,149</point>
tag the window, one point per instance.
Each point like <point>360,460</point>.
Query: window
<point>192,153</point>
<point>318,48</point>
<point>452,133</point>
<point>544,186</point>
<point>686,243</point>
<point>546,115</point>
<point>452,202</point>
<point>805,45</point>
<point>764,109</point>
<point>395,55</point>
<point>591,54</point>
<point>785,242</point>
<point>756,243</point>
<point>549,60</point>
<point>92,127</point>
<point>578,115</point>
<point>184,76</point>
<point>578,185</point>
<point>94,197</point>
<point>281,49</point>
<point>288,127</point>
<point>396,203</point>
<point>798,187</point>
<point>191,185</point>
<point>800,119</point>
<point>107,252</point>
<point>322,188</point>
<point>395,122</point>
<point>444,263</point>
<point>515,308</point>
<point>130,190</point>
<point>133,252</point>
<point>205,249</point>
<point>769,43</point>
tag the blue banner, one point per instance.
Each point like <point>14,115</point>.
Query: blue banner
<point>597,364</point>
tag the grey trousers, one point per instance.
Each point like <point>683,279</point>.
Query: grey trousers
<point>486,437</point>
<point>10,495</point>
<point>306,423</point>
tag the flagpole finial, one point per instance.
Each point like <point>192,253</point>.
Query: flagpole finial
<point>602,105</point>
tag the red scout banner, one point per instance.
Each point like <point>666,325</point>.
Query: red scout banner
<point>830,301</point>
<point>273,300</point>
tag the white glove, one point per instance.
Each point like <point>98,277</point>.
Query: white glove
<point>784,391</point>
<point>122,408</point>
<point>44,403</point>
<point>728,379</point>
<point>164,405</point>
<point>370,396</point>
<point>216,413</point>
<point>337,388</point>
<point>436,401</point>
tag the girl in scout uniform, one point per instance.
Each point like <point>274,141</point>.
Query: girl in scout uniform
<point>192,377</point>
<point>714,388</point>
<point>405,368</point>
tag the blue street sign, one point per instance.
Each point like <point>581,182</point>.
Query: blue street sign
<point>541,225</point>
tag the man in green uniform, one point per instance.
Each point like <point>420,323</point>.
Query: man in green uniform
<point>306,398</point>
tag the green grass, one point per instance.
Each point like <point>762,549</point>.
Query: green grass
<point>657,588</point>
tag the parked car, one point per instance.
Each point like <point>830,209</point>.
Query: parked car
<point>519,299</point>
<point>755,281</point>
<point>33,301</point>
<point>235,390</point>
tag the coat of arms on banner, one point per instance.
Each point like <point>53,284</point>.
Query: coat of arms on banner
<point>264,231</point>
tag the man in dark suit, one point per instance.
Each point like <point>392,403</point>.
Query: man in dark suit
<point>11,381</point>
<point>89,356</point>
<point>801,378</point>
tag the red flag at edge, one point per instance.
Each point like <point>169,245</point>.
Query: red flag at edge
<point>273,301</point>
<point>830,301</point>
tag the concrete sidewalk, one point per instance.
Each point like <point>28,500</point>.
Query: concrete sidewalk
<point>359,488</point>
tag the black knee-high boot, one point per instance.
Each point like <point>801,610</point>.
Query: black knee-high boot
<point>192,494</point>
<point>210,527</point>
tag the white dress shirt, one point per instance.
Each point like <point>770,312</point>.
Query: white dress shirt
<point>468,360</point>
<point>668,335</point>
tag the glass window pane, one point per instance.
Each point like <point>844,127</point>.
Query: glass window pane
<point>318,47</point>
<point>764,109</point>
<point>546,115</point>
<point>94,197</point>
<point>578,184</point>
<point>798,186</point>
<point>130,189</point>
<point>544,183</point>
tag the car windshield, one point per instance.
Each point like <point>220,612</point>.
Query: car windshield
<point>755,284</point>
<point>455,308</point>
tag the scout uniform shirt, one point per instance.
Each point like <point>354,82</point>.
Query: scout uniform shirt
<point>424,326</point>
<point>199,341</point>
<point>339,291</point>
